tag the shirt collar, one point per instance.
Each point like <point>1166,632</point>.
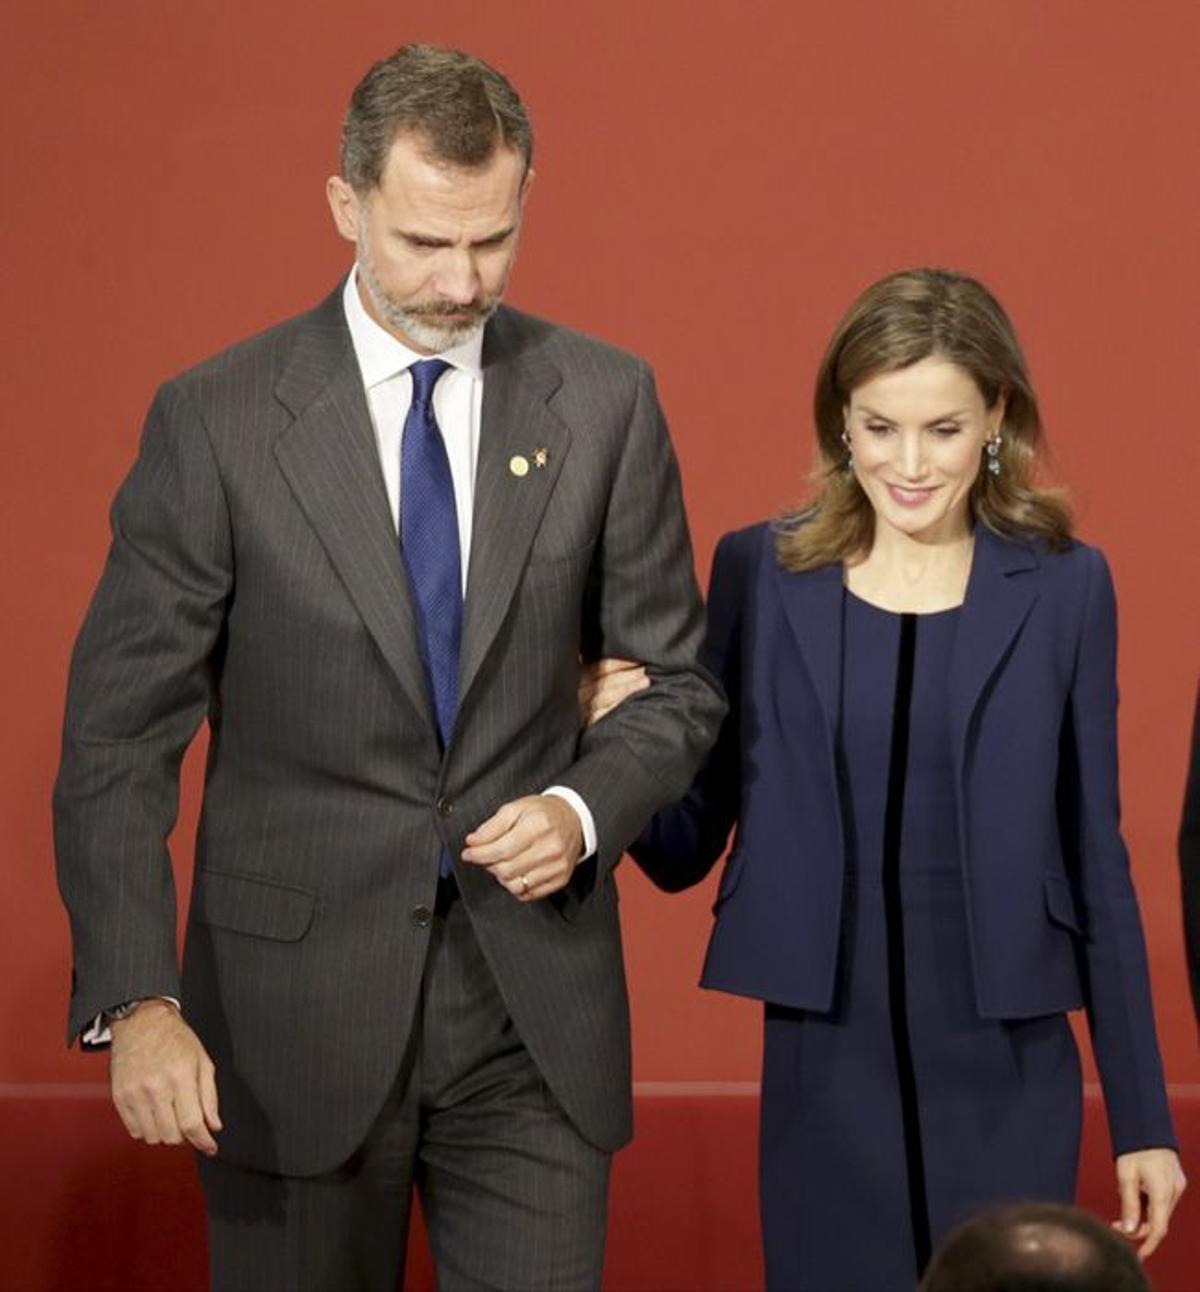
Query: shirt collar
<point>381,356</point>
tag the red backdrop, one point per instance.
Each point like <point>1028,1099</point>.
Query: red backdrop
<point>716,181</point>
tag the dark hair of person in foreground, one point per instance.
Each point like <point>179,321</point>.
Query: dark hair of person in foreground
<point>1034,1247</point>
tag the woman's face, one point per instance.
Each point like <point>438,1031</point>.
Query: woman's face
<point>918,436</point>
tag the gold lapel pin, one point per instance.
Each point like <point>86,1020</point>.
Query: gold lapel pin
<point>518,465</point>
<point>540,458</point>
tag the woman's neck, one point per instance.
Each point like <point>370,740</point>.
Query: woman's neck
<point>905,574</point>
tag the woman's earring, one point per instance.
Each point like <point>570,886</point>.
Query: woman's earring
<point>849,451</point>
<point>993,454</point>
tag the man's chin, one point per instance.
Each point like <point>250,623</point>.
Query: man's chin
<point>442,335</point>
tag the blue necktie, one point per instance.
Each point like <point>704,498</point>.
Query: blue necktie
<point>429,544</point>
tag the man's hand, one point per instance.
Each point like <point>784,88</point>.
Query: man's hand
<point>531,846</point>
<point>606,683</point>
<point>163,1082</point>
<point>1149,1183</point>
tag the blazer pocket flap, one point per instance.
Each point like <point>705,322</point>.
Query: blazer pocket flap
<point>1060,903</point>
<point>255,906</point>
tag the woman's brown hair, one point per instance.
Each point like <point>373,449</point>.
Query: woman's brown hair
<point>898,321</point>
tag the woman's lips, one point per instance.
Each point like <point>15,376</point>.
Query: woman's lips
<point>911,497</point>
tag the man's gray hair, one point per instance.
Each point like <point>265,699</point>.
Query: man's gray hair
<point>461,108</point>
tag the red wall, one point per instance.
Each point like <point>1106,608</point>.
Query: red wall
<point>716,181</point>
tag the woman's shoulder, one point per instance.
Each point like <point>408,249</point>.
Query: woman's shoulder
<point>1073,561</point>
<point>738,558</point>
<point>1074,584</point>
<point>1077,563</point>
<point>747,540</point>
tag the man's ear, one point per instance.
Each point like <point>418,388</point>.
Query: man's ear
<point>344,206</point>
<point>526,185</point>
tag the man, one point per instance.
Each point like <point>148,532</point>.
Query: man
<point>370,546</point>
<point>1034,1247</point>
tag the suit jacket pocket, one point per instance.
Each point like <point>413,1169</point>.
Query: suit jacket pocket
<point>1060,903</point>
<point>259,907</point>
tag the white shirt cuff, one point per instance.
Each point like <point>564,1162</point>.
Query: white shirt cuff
<point>99,1033</point>
<point>583,812</point>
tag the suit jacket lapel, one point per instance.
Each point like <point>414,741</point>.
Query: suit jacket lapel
<point>1000,594</point>
<point>516,422</point>
<point>812,603</point>
<point>331,462</point>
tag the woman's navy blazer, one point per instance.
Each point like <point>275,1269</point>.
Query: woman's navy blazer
<point>1052,913</point>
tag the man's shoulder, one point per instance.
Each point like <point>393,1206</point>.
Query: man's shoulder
<point>263,356</point>
<point>515,332</point>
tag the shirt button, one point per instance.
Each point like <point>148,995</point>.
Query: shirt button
<point>422,916</point>
<point>444,807</point>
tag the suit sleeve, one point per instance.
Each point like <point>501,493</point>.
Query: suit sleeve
<point>1189,862</point>
<point>643,604</point>
<point>683,842</point>
<point>1120,1010</point>
<point>139,687</point>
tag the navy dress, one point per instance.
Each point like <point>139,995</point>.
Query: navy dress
<point>885,1123</point>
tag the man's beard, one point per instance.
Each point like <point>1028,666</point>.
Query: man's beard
<point>434,326</point>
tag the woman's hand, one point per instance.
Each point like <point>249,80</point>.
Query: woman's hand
<point>1149,1183</point>
<point>605,683</point>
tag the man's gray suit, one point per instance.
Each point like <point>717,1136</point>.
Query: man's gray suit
<point>255,579</point>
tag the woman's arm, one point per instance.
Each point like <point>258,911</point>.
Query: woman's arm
<point>1120,1012</point>
<point>680,845</point>
<point>1189,863</point>
<point>683,842</point>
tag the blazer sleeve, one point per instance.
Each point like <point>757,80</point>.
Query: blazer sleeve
<point>138,689</point>
<point>1189,862</point>
<point>1116,972</point>
<point>643,604</point>
<point>683,842</point>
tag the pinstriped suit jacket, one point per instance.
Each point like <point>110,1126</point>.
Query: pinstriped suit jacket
<point>255,579</point>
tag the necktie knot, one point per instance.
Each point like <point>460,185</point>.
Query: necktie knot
<point>425,374</point>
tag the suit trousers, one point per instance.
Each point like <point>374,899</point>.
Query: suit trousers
<point>513,1196</point>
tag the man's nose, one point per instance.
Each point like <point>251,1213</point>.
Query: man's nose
<point>458,278</point>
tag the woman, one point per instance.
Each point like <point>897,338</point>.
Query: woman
<point>920,758</point>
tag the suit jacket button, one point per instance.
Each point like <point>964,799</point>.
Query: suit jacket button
<point>444,807</point>
<point>422,916</point>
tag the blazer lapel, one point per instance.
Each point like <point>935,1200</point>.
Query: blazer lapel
<point>997,602</point>
<point>812,603</point>
<point>331,462</point>
<point>999,598</point>
<point>516,423</point>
